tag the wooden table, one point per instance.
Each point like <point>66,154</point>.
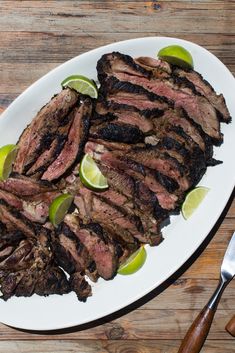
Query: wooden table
<point>36,36</point>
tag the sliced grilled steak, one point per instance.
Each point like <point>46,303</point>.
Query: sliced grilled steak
<point>115,91</point>
<point>116,62</point>
<point>37,137</point>
<point>73,148</point>
<point>144,180</point>
<point>52,280</point>
<point>196,106</point>
<point>125,114</point>
<point>92,237</point>
<point>158,68</point>
<point>24,186</point>
<point>57,144</point>
<point>203,87</point>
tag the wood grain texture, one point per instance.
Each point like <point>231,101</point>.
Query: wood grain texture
<point>37,36</point>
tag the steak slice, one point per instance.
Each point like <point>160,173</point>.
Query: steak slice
<point>203,87</point>
<point>71,254</point>
<point>197,106</point>
<point>159,68</point>
<point>145,180</point>
<point>73,148</point>
<point>116,62</point>
<point>125,114</point>
<point>92,237</point>
<point>57,144</point>
<point>24,186</point>
<point>118,92</point>
<point>35,138</point>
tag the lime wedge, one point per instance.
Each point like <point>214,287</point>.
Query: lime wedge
<point>90,174</point>
<point>59,207</point>
<point>193,200</point>
<point>176,55</point>
<point>134,262</point>
<point>7,158</point>
<point>81,84</point>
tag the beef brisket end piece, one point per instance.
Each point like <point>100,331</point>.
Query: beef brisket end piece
<point>37,136</point>
<point>101,251</point>
<point>116,62</point>
<point>80,286</point>
<point>73,148</point>
<point>204,88</point>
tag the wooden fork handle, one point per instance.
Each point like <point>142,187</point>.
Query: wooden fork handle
<point>197,333</point>
<point>230,327</point>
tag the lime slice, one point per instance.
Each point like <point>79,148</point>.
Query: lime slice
<point>81,84</point>
<point>176,55</point>
<point>59,207</point>
<point>134,262</point>
<point>90,174</point>
<point>7,158</point>
<point>193,200</point>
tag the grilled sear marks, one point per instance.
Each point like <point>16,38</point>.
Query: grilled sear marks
<point>73,147</point>
<point>38,136</point>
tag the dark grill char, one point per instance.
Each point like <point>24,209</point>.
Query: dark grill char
<point>35,138</point>
<point>118,132</point>
<point>73,147</point>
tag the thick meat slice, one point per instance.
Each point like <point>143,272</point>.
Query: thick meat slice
<point>125,114</point>
<point>196,106</point>
<point>144,179</point>
<point>70,253</point>
<point>14,220</point>
<point>73,148</point>
<point>92,237</point>
<point>158,68</point>
<point>116,91</point>
<point>116,62</point>
<point>49,155</point>
<point>24,186</point>
<point>203,87</point>
<point>37,136</point>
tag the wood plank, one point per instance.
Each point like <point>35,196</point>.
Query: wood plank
<point>91,346</point>
<point>81,16</point>
<point>46,47</point>
<point>136,325</point>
